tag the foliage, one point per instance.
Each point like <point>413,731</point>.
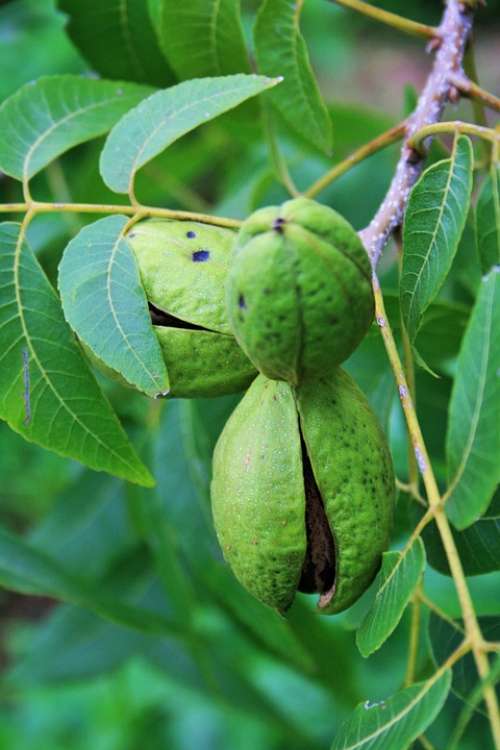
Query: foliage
<point>121,625</point>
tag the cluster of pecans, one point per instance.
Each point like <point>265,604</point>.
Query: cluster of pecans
<point>303,485</point>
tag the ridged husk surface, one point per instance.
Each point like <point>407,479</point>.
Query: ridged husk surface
<point>298,291</point>
<point>259,493</point>
<point>183,267</point>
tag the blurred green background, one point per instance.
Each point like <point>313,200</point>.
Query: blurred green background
<point>222,671</point>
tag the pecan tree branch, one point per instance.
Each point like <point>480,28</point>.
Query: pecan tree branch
<point>454,32</point>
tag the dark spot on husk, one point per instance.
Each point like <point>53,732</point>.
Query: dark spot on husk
<point>191,235</point>
<point>278,224</point>
<point>200,256</point>
<point>241,302</point>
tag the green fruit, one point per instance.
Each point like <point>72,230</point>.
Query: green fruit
<point>299,291</point>
<point>183,266</point>
<point>303,491</point>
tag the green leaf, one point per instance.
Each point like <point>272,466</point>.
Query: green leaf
<point>167,115</point>
<point>478,546</point>
<point>46,118</point>
<point>393,724</point>
<point>202,37</point>
<point>398,578</point>
<point>30,571</point>
<point>281,51</point>
<point>434,222</point>
<point>105,304</point>
<point>117,39</point>
<point>488,220</point>
<point>47,392</point>
<point>473,437</point>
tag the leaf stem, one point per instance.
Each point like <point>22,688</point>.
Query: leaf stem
<point>424,521</point>
<point>452,127</point>
<point>378,143</point>
<point>103,208</point>
<point>391,19</point>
